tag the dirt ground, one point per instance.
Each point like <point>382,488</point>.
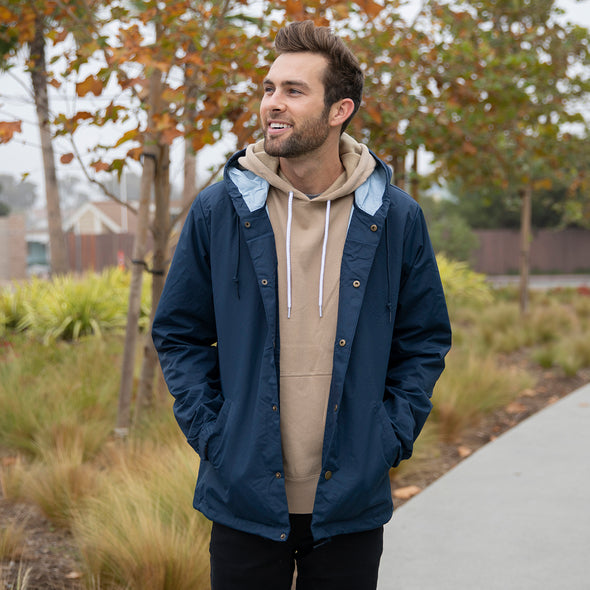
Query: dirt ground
<point>49,553</point>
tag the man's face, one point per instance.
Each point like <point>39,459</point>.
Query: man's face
<point>292,112</point>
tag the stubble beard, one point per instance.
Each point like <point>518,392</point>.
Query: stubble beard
<point>308,138</point>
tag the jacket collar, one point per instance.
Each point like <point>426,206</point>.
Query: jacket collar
<point>253,189</point>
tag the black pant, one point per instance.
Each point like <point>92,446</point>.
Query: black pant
<point>242,561</point>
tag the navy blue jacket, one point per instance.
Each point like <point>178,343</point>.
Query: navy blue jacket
<point>216,332</point>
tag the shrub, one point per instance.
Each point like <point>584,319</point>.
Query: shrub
<point>470,387</point>
<point>141,532</point>
<point>12,308</point>
<point>70,307</point>
<point>461,284</point>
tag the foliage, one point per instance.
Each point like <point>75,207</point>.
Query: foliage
<point>64,395</point>
<point>69,307</point>
<point>18,196</point>
<point>461,284</point>
<point>4,209</point>
<point>497,209</point>
<point>128,503</point>
<point>141,532</point>
<point>471,387</point>
<point>502,122</point>
<point>449,232</point>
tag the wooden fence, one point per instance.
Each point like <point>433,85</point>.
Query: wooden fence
<point>565,251</point>
<point>96,252</point>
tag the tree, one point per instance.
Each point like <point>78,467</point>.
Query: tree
<point>502,74</point>
<point>26,24</point>
<point>184,70</point>
<point>19,196</point>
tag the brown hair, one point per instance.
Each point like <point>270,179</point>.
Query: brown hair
<point>343,76</point>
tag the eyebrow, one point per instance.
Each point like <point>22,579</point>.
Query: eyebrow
<point>286,83</point>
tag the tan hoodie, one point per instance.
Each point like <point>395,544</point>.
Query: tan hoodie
<point>309,244</point>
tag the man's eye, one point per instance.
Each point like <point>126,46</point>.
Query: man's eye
<point>268,89</point>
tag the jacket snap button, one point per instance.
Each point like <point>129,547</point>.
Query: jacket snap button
<point>336,407</point>
<point>373,227</point>
<point>274,408</point>
<point>356,284</point>
<point>283,536</point>
<point>328,475</point>
<point>278,475</point>
<point>264,282</point>
<point>247,224</point>
<point>342,342</point>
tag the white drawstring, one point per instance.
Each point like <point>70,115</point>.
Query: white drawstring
<point>324,247</point>
<point>288,248</point>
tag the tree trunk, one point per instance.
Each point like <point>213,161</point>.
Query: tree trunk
<point>399,171</point>
<point>525,246</point>
<point>134,307</point>
<point>414,178</point>
<point>161,233</point>
<point>150,159</point>
<point>189,190</point>
<point>57,241</point>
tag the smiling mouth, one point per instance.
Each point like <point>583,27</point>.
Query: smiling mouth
<point>278,127</point>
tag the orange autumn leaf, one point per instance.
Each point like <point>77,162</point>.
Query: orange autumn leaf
<point>66,158</point>
<point>8,129</point>
<point>170,134</point>
<point>135,153</point>
<point>406,492</point>
<point>100,166</point>
<point>91,84</point>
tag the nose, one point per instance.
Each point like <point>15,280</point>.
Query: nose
<point>273,102</point>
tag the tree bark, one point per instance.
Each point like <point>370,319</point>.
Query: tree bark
<point>414,178</point>
<point>134,306</point>
<point>525,246</point>
<point>150,159</point>
<point>399,171</point>
<point>57,241</point>
<point>161,233</point>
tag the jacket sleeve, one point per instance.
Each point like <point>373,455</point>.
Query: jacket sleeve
<point>421,338</point>
<point>184,333</point>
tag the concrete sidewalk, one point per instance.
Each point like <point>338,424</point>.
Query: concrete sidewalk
<point>513,516</point>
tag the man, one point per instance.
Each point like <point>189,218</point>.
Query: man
<point>301,331</point>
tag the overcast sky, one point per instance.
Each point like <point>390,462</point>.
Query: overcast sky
<point>22,155</point>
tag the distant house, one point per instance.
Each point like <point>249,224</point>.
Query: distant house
<point>98,234</point>
<point>101,217</point>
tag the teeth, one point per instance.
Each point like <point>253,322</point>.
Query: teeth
<point>279,126</point>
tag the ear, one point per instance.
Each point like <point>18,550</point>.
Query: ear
<point>340,111</point>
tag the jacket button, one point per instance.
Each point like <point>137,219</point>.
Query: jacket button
<point>283,536</point>
<point>356,284</point>
<point>264,282</point>
<point>274,408</point>
<point>247,224</point>
<point>278,475</point>
<point>373,227</point>
<point>328,475</point>
<point>336,407</point>
<point>342,342</point>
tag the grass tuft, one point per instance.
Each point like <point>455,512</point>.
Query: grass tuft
<point>471,387</point>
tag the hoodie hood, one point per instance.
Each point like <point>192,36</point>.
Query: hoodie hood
<point>254,171</point>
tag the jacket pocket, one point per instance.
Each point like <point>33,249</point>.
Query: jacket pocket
<point>216,442</point>
<point>390,445</point>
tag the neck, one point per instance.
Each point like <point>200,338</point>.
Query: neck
<point>313,173</point>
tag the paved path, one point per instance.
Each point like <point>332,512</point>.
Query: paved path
<point>542,281</point>
<point>513,516</point>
